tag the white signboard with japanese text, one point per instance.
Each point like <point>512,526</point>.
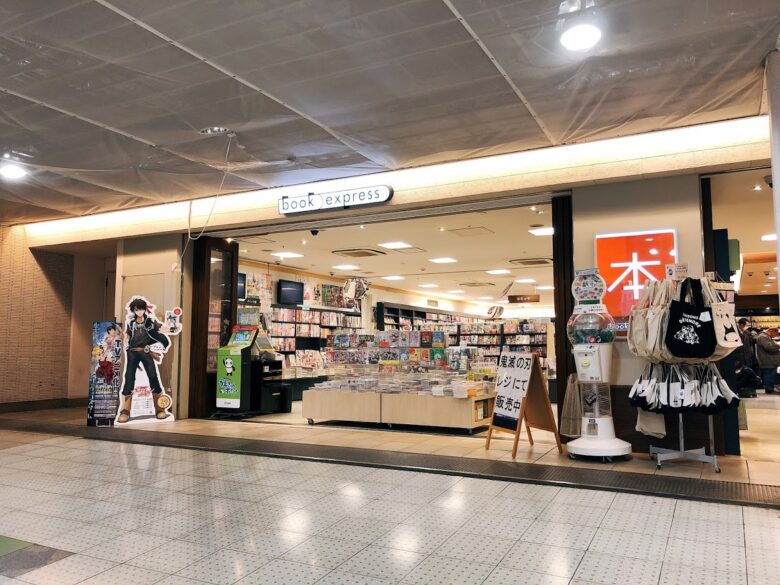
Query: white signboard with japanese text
<point>512,377</point>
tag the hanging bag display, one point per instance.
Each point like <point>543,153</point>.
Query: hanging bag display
<point>657,319</point>
<point>637,321</point>
<point>690,333</point>
<point>723,319</point>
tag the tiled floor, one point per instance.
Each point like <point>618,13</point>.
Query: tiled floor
<point>115,513</point>
<point>759,465</point>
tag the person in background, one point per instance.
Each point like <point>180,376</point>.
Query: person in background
<point>768,353</point>
<point>746,378</point>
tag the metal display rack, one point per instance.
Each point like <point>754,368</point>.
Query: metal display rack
<point>661,454</point>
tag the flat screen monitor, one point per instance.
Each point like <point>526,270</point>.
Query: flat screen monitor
<point>289,292</point>
<point>241,286</point>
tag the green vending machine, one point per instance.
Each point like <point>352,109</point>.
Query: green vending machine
<point>234,364</point>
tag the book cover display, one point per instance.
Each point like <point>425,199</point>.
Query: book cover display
<point>104,374</point>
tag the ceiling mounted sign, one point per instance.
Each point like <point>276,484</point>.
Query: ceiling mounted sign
<point>335,200</point>
<point>524,298</point>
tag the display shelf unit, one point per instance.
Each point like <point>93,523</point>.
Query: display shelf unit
<point>305,319</point>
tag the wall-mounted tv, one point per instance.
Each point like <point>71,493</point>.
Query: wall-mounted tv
<point>289,292</point>
<point>241,286</point>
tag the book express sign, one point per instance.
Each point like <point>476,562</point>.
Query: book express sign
<point>335,200</point>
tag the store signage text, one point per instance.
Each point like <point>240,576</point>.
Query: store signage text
<point>335,199</point>
<point>524,298</point>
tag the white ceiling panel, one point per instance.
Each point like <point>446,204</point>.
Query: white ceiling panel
<point>105,98</point>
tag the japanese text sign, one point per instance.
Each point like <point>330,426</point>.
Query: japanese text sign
<point>514,372</point>
<point>628,260</point>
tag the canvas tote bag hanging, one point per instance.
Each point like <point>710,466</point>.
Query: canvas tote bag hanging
<point>637,321</point>
<point>690,332</point>
<point>724,321</point>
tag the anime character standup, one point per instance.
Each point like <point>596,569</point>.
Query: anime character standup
<point>146,341</point>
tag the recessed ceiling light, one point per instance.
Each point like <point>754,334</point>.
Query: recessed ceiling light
<point>346,267</point>
<point>525,281</point>
<point>362,227</point>
<point>392,277</point>
<point>214,130</point>
<point>441,229</point>
<point>229,240</point>
<point>534,208</point>
<point>284,255</point>
<point>499,271</point>
<point>581,37</point>
<point>442,260</point>
<point>756,187</point>
<point>395,245</point>
<point>303,242</point>
<point>12,171</point>
<point>767,285</point>
<point>457,291</point>
<point>485,298</point>
<point>429,286</point>
<point>769,237</point>
<point>542,231</point>
<point>545,287</point>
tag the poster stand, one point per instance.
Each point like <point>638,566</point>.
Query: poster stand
<point>520,384</point>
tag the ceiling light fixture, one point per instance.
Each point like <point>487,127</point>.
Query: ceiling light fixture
<point>545,287</point>
<point>499,271</point>
<point>393,277</point>
<point>395,245</point>
<point>541,231</point>
<point>769,237</point>
<point>756,187</point>
<point>429,286</point>
<point>525,281</point>
<point>362,227</point>
<point>12,171</point>
<point>442,260</point>
<point>214,130</point>
<point>285,255</point>
<point>346,267</point>
<point>457,291</point>
<point>581,37</point>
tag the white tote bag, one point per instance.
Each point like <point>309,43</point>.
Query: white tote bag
<point>726,331</point>
<point>637,321</point>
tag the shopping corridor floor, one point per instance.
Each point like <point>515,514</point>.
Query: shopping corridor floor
<point>74,510</point>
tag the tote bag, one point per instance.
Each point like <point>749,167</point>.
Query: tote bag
<point>726,332</point>
<point>637,321</point>
<point>690,332</point>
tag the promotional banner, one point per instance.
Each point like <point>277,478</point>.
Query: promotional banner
<point>104,374</point>
<point>146,341</point>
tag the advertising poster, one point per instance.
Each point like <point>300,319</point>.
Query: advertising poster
<point>104,374</point>
<point>146,340</point>
<point>514,372</point>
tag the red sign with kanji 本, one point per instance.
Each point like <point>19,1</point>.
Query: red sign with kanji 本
<point>628,260</point>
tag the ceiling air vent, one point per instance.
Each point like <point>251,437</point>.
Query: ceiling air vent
<point>359,252</point>
<point>475,284</point>
<point>411,250</point>
<point>532,261</point>
<point>470,232</point>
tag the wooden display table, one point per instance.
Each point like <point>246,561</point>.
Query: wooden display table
<point>399,408</point>
<point>347,406</point>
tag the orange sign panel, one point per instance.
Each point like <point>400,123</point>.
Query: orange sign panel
<point>628,260</point>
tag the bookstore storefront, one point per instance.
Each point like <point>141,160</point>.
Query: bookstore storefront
<point>386,323</point>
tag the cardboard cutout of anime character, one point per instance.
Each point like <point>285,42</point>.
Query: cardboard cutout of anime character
<point>146,341</point>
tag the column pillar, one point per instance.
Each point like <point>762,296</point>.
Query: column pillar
<point>773,95</point>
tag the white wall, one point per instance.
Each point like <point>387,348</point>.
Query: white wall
<point>672,202</point>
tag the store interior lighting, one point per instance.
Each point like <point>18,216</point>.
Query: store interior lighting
<point>12,171</point>
<point>578,24</point>
<point>542,231</point>
<point>395,245</point>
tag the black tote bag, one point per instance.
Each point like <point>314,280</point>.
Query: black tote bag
<point>690,332</point>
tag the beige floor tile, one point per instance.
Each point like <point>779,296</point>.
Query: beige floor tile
<point>764,472</point>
